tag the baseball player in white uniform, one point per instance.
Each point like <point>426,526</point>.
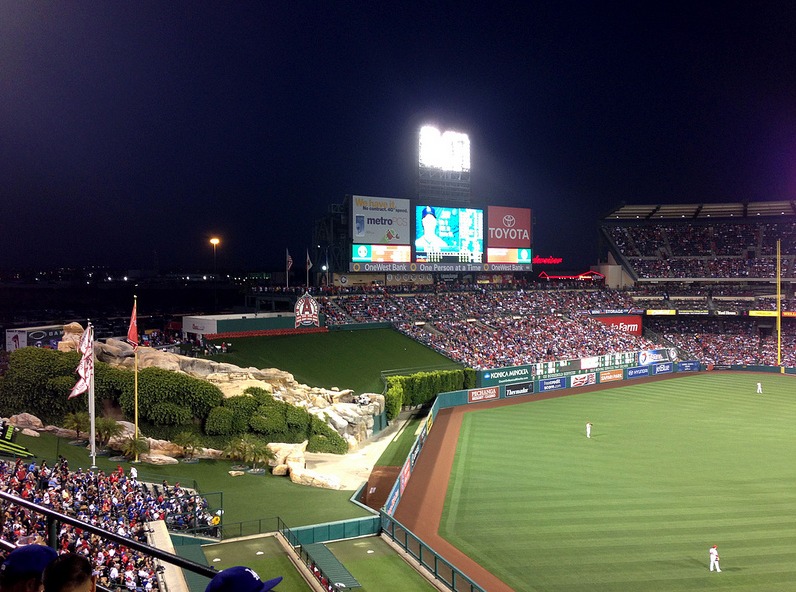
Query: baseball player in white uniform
<point>714,559</point>
<point>588,429</point>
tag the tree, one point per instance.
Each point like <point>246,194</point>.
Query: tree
<point>79,421</point>
<point>190,442</point>
<point>107,428</point>
<point>134,446</point>
<point>249,449</point>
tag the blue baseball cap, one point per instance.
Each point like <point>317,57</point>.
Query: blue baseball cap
<point>428,211</point>
<point>240,579</point>
<point>27,561</point>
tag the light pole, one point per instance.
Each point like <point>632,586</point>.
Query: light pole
<point>326,266</point>
<point>214,241</point>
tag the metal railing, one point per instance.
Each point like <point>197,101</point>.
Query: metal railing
<point>55,519</point>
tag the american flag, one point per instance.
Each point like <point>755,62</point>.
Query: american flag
<point>583,379</point>
<point>309,262</point>
<point>289,260</point>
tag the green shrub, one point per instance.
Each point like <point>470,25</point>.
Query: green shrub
<point>260,395</point>
<point>219,421</point>
<point>156,385</point>
<point>297,418</point>
<point>323,443</point>
<point>393,399</point>
<point>470,376</point>
<point>243,408</point>
<point>167,413</point>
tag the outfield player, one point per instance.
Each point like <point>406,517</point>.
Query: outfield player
<point>588,429</point>
<point>759,388</point>
<point>714,559</point>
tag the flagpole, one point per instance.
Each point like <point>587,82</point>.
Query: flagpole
<point>308,265</point>
<point>92,413</point>
<point>135,353</point>
<point>287,269</point>
<point>779,308</point>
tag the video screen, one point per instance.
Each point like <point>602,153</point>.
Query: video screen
<point>448,235</point>
<point>501,255</point>
<point>381,253</point>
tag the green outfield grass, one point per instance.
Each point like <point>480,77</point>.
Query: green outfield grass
<point>395,454</point>
<point>346,359</point>
<point>672,468</point>
<point>377,567</point>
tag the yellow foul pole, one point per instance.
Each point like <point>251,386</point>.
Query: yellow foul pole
<point>135,353</point>
<point>779,307</point>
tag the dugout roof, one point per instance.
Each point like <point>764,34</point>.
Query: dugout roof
<point>702,210</point>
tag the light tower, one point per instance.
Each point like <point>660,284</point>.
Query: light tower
<point>443,166</point>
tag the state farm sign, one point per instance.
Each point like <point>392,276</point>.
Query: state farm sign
<point>626,323</point>
<point>508,227</point>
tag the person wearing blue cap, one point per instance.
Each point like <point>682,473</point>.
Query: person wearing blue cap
<point>429,242</point>
<point>22,570</point>
<point>240,579</point>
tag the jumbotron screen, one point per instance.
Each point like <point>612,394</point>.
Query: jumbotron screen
<point>448,235</point>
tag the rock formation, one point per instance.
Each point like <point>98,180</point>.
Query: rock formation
<point>351,416</point>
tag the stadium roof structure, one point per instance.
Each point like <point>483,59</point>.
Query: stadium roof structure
<point>703,210</point>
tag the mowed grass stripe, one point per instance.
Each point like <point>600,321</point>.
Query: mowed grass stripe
<point>672,467</point>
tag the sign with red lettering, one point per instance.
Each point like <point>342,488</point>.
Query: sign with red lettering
<point>627,323</point>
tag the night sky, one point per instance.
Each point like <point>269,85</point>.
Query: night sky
<point>132,132</point>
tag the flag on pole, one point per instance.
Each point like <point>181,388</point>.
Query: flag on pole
<point>85,369</point>
<point>132,332</point>
<point>289,260</point>
<point>309,262</point>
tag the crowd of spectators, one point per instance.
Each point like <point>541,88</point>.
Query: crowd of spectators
<point>719,249</point>
<point>728,341</point>
<point>115,502</point>
<point>478,302</point>
<point>507,326</point>
<point>497,341</point>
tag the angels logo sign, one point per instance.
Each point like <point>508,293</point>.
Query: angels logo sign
<point>307,311</point>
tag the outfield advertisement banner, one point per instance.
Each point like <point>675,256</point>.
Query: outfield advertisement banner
<point>505,375</point>
<point>483,394</point>
<point>638,372</point>
<point>654,356</point>
<point>583,380</point>
<point>519,388</point>
<point>627,323</point>
<point>392,499</point>
<point>690,366</point>
<point>611,376</point>
<point>664,368</point>
<point>552,384</point>
<point>406,471</point>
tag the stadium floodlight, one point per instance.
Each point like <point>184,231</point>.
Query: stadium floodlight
<point>449,150</point>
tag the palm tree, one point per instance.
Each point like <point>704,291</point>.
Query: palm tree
<point>259,453</point>
<point>190,441</point>
<point>239,448</point>
<point>249,449</point>
<point>107,428</point>
<point>79,421</point>
<point>134,446</point>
